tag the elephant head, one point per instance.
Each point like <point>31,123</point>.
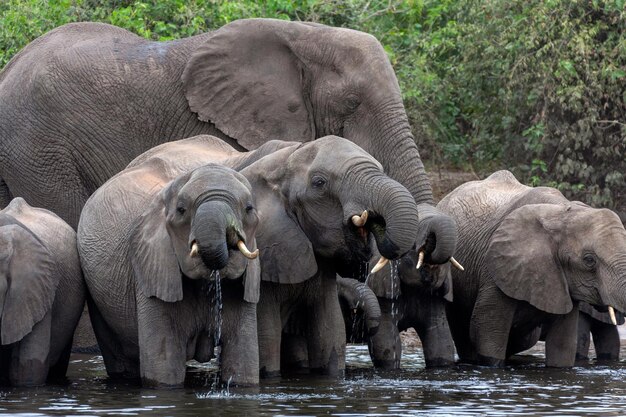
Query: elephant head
<point>260,79</point>
<point>320,202</point>
<point>551,254</point>
<point>201,222</point>
<point>28,280</point>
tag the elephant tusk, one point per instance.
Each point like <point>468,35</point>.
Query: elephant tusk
<point>420,259</point>
<point>194,250</point>
<point>381,262</point>
<point>359,221</point>
<point>612,315</point>
<point>456,264</point>
<point>246,252</point>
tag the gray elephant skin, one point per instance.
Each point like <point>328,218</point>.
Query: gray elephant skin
<point>306,195</point>
<point>42,294</point>
<point>407,298</point>
<point>530,256</point>
<point>80,102</point>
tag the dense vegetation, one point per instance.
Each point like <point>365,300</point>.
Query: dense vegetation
<point>535,86</point>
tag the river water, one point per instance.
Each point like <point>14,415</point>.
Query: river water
<point>527,389</point>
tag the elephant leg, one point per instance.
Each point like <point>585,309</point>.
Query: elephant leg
<point>583,338</point>
<point>605,341</point>
<point>326,332</point>
<point>459,322</point>
<point>385,346</point>
<point>434,332</point>
<point>29,356</point>
<point>490,325</point>
<point>162,351</point>
<point>269,327</point>
<point>117,364</point>
<point>59,369</point>
<point>240,346</point>
<point>561,337</point>
<point>294,353</point>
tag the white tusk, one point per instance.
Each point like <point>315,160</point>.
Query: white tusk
<point>612,315</point>
<point>194,250</point>
<point>381,262</point>
<point>456,264</point>
<point>359,221</point>
<point>246,252</point>
<point>420,259</point>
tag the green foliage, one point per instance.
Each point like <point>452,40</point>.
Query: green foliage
<point>538,87</point>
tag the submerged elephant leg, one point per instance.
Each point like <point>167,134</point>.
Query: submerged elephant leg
<point>432,328</point>
<point>59,369</point>
<point>326,331</point>
<point>584,337</point>
<point>269,327</point>
<point>162,351</point>
<point>294,353</point>
<point>561,337</point>
<point>29,356</point>
<point>490,326</point>
<point>605,341</point>
<point>240,347</point>
<point>385,346</point>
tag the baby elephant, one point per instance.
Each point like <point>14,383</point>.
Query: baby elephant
<point>170,262</point>
<point>530,256</point>
<point>42,294</point>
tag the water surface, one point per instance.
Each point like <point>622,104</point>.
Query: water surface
<point>528,389</point>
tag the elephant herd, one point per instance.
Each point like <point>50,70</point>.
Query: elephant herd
<point>224,195</point>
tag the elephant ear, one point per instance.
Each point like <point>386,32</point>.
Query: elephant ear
<point>152,255</point>
<point>522,258</point>
<point>286,253</point>
<point>247,81</point>
<point>28,282</point>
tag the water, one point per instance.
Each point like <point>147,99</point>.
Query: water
<point>528,389</point>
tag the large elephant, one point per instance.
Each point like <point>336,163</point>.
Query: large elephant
<point>77,104</point>
<point>310,198</point>
<point>42,294</point>
<point>162,249</point>
<point>530,257</point>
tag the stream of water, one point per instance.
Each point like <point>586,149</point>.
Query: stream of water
<point>527,389</point>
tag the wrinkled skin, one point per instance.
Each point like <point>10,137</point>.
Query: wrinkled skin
<point>530,256</point>
<point>408,298</point>
<point>154,304</point>
<point>71,95</point>
<point>42,294</point>
<point>306,195</point>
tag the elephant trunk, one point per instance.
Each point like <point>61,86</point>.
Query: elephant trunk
<point>616,290</point>
<point>393,216</point>
<point>437,233</point>
<point>214,230</point>
<point>359,295</point>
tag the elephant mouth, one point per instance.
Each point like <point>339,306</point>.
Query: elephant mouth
<point>230,262</point>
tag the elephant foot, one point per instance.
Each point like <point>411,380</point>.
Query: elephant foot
<point>386,364</point>
<point>154,384</point>
<point>607,357</point>
<point>490,362</point>
<point>438,362</point>
<point>265,374</point>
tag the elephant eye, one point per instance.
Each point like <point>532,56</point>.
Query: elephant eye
<point>318,181</point>
<point>352,101</point>
<point>181,210</point>
<point>249,207</point>
<point>589,260</point>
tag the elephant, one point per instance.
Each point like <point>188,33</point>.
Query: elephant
<point>530,257</point>
<point>170,263</point>
<point>606,339</point>
<point>42,294</point>
<point>407,297</point>
<point>312,201</point>
<point>80,102</point>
